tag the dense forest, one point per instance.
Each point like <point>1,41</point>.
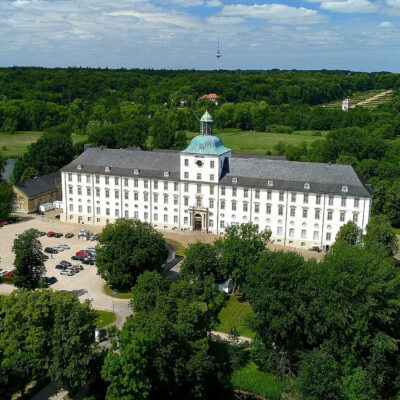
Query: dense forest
<point>120,108</point>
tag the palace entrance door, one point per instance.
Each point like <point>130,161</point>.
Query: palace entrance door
<point>197,222</point>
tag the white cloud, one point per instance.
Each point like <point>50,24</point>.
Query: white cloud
<point>393,3</point>
<point>182,3</point>
<point>213,3</point>
<point>274,13</point>
<point>218,20</point>
<point>348,6</point>
<point>385,24</point>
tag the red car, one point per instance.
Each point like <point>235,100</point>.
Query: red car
<point>50,234</point>
<point>82,254</point>
<point>4,223</point>
<point>10,275</point>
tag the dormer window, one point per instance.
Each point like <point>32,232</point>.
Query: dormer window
<point>345,189</point>
<point>107,169</point>
<point>270,183</point>
<point>166,174</point>
<point>234,180</point>
<point>136,171</point>
<point>306,186</point>
<point>79,167</point>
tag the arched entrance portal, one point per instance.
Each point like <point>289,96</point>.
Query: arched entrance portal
<point>197,222</point>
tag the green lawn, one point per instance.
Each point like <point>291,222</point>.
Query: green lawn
<point>13,146</point>
<point>16,144</point>
<point>121,295</point>
<point>250,379</point>
<point>260,142</point>
<point>235,315</point>
<point>105,318</point>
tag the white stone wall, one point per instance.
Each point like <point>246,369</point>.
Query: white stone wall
<point>168,207</point>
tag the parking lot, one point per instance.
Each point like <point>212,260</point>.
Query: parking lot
<point>86,284</point>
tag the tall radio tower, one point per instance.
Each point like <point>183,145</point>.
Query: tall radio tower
<point>218,55</point>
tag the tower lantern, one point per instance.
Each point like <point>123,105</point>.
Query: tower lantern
<point>206,124</point>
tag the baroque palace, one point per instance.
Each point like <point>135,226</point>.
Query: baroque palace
<point>207,188</point>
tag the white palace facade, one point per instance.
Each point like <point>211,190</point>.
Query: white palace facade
<point>207,188</point>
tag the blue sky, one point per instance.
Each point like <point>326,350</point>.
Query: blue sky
<point>360,35</point>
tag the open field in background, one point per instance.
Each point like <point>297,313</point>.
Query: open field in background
<point>17,143</point>
<point>260,142</point>
<point>235,315</point>
<point>362,96</point>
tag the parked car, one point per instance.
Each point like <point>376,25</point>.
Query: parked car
<point>64,246</point>
<point>67,271</point>
<point>48,280</point>
<point>58,235</point>
<point>4,272</point>
<point>59,266</point>
<point>93,237</point>
<point>88,261</point>
<point>39,212</point>
<point>59,249</point>
<point>77,258</point>
<point>4,223</point>
<point>69,235</point>
<point>50,234</point>
<point>79,266</point>
<point>75,268</point>
<point>67,263</point>
<point>51,250</point>
<point>42,234</point>
<point>45,257</point>
<point>91,249</point>
<point>83,253</point>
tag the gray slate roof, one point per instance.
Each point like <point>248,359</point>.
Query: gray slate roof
<point>41,184</point>
<point>249,171</point>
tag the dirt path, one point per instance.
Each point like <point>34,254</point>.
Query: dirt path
<point>377,96</point>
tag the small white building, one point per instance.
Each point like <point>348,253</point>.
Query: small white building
<point>346,105</point>
<point>207,188</point>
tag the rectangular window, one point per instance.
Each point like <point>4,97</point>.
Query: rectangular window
<point>89,209</point>
<point>135,183</point>
<point>107,180</point>
<point>186,201</point>
<point>303,234</point>
<point>293,199</point>
<point>116,213</point>
<point>97,192</point>
<point>70,190</point>
<point>211,177</point>
<point>116,194</point>
<point>222,224</point>
<point>88,192</point>
<point>186,162</point>
<point>305,213</point>
<point>146,216</point>
<point>80,208</point>
<point>97,210</point>
<point>199,177</point>
<point>116,181</point>
<point>175,186</point>
<point>155,184</point>
<point>165,199</point>
<point>233,205</point>
<point>317,213</point>
<point>175,219</point>
<point>185,220</point>
<point>212,190</point>
<point>222,190</point>
<point>343,201</point>
<point>199,189</point>
<point>146,184</point>
<point>136,196</point>
<point>292,211</point>
<point>256,208</point>
<point>291,232</point>
<point>186,175</point>
<point>87,178</point>
<point>257,194</point>
<point>328,236</point>
<point>355,218</point>
<point>175,200</point>
<point>268,209</point>
<point>245,207</point>
<point>212,164</point>
<point>186,187</point>
<point>318,199</point>
<point>330,200</point>
<point>198,201</point>
<point>146,197</point>
<point>126,195</point>
<point>79,191</point>
<point>279,231</point>
<point>210,223</point>
<point>79,178</point>
<point>280,210</point>
<point>71,207</point>
<point>280,196</point>
<point>97,179</point>
<point>165,185</point>
<point>269,195</point>
<point>342,216</point>
<point>356,202</point>
<point>155,198</point>
<point>246,193</point>
<point>136,214</point>
<point>305,198</point>
<point>315,235</point>
<point>126,182</point>
<point>126,214</point>
<point>222,204</point>
<point>211,201</point>
<point>155,217</point>
<point>234,191</point>
<point>165,217</point>
<point>70,177</point>
<point>330,214</point>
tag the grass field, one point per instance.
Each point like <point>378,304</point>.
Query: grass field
<point>362,96</point>
<point>235,315</point>
<point>121,295</point>
<point>260,142</point>
<point>16,144</point>
<point>251,379</point>
<point>105,318</point>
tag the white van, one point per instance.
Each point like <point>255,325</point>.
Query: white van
<point>67,271</point>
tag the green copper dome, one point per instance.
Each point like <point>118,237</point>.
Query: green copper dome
<point>206,117</point>
<point>206,144</point>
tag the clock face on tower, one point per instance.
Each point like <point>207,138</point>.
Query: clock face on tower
<point>199,163</point>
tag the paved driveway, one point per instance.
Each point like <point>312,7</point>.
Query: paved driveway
<point>86,284</point>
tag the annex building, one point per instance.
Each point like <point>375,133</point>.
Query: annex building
<point>207,188</point>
